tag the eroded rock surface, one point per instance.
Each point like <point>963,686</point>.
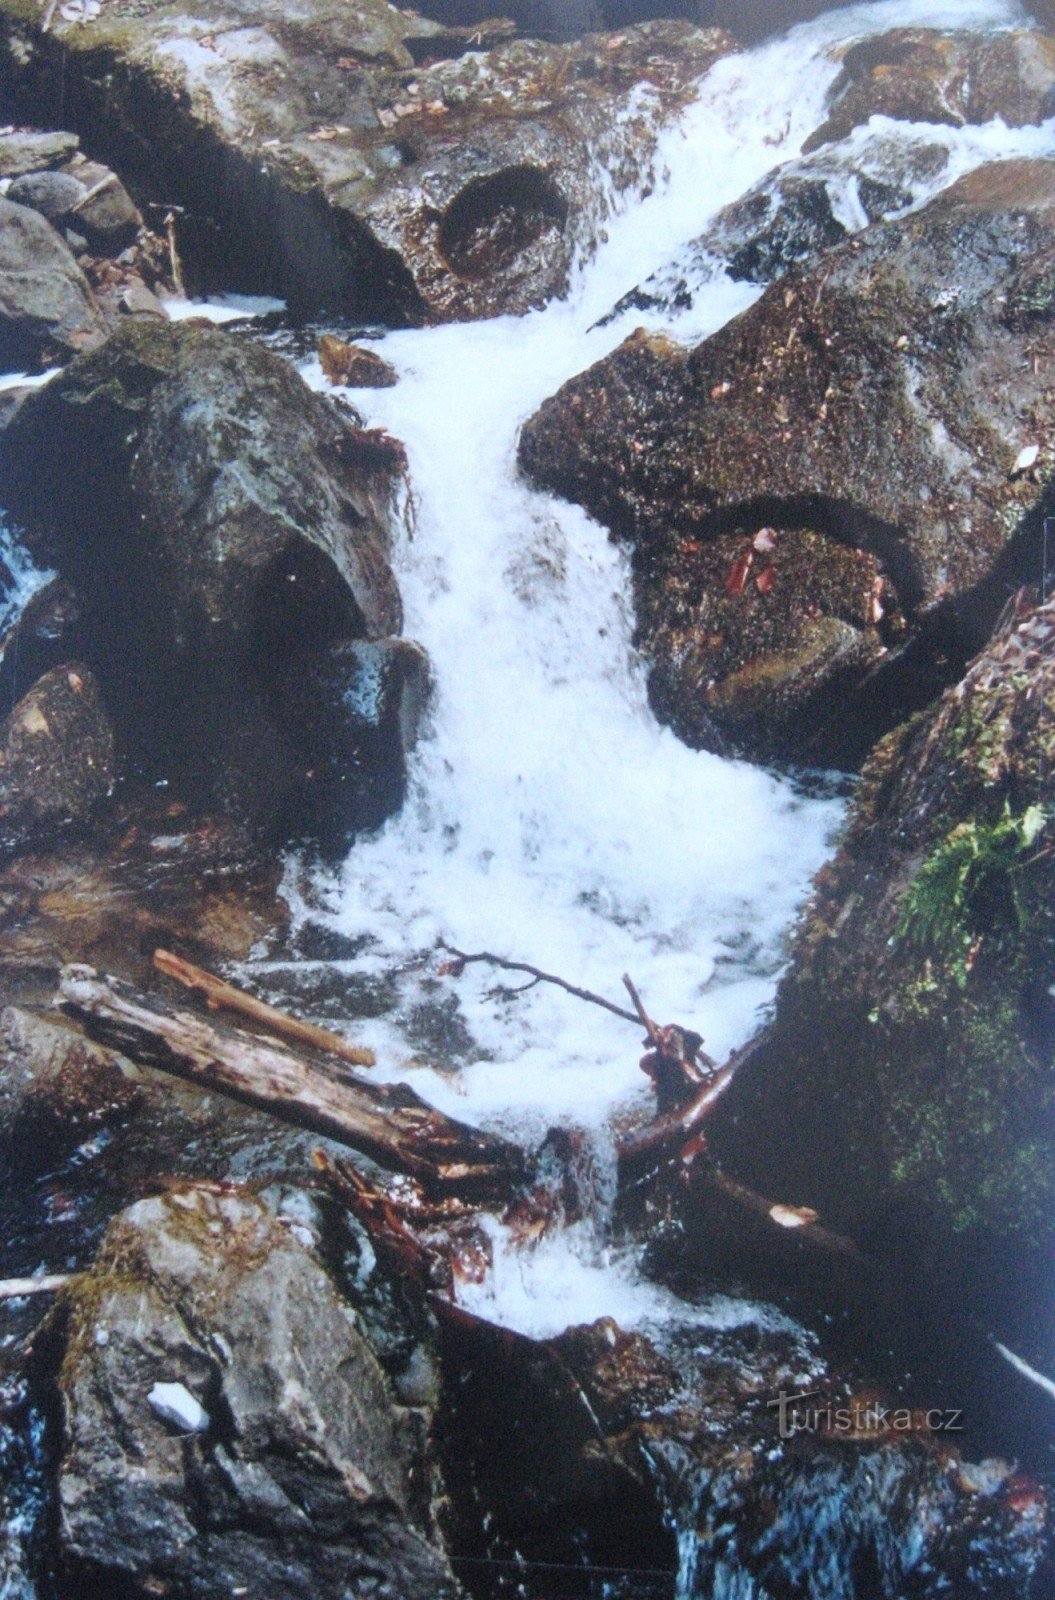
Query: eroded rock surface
<point>56,758</point>
<point>356,159</point>
<point>305,1478</point>
<point>893,400</point>
<point>921,75</point>
<point>225,529</point>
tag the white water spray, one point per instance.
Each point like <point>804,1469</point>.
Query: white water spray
<point>549,817</point>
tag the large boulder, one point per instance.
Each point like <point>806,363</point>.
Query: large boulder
<point>344,160</point>
<point>921,75</point>
<point>56,759</point>
<point>870,440</point>
<point>47,310</point>
<point>225,528</point>
<point>906,1089</point>
<point>227,1427</point>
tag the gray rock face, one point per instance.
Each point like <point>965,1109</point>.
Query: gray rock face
<point>47,311</point>
<point>226,527</point>
<point>53,194</point>
<point>307,1479</point>
<point>56,758</point>
<point>27,151</point>
<point>883,400</point>
<point>346,160</point>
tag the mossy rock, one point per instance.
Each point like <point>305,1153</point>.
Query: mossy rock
<point>906,1088</point>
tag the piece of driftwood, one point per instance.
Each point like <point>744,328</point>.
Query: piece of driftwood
<point>16,1288</point>
<point>221,996</point>
<point>388,1122</point>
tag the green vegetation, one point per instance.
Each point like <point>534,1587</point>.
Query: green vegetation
<point>968,887</point>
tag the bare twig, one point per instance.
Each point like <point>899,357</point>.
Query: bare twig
<point>220,996</point>
<point>643,1016</point>
<point>15,1288</point>
<point>461,960</point>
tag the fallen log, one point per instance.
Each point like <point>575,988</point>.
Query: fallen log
<point>221,996</point>
<point>387,1122</point>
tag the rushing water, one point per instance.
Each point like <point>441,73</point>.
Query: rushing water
<point>549,817</point>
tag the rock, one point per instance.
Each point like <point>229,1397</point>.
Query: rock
<point>793,215</point>
<point>138,301</point>
<point>307,1477</point>
<point>226,527</point>
<point>174,1403</point>
<point>339,175</point>
<point>106,213</point>
<point>358,716</point>
<point>47,310</point>
<point>920,75</point>
<point>24,151</point>
<point>353,366</point>
<point>868,402</point>
<point>906,1089</point>
<point>53,194</point>
<point>56,1089</point>
<point>47,632</point>
<point>670,1456</point>
<point>56,758</point>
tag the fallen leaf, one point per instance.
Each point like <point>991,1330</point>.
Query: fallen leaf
<point>736,577</point>
<point>792,1216</point>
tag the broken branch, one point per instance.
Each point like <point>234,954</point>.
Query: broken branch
<point>220,996</point>
<point>387,1122</point>
<point>462,960</point>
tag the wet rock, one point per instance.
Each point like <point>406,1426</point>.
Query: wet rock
<point>308,1479</point>
<point>337,173</point>
<point>24,151</point>
<point>53,194</point>
<point>669,1456</point>
<point>56,1089</point>
<point>358,717</point>
<point>878,401</point>
<point>226,527</point>
<point>354,366</point>
<point>47,310</point>
<point>771,633</point>
<point>906,1089</point>
<point>920,75</point>
<point>793,215</point>
<point>56,758</point>
<point>46,633</point>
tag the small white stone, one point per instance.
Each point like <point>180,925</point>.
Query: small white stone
<point>1026,458</point>
<point>174,1403</point>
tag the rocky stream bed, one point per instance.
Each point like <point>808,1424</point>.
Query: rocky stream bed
<point>489,504</point>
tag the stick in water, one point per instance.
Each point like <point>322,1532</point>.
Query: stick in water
<point>15,1288</point>
<point>220,996</point>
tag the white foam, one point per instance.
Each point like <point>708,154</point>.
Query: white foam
<point>549,817</point>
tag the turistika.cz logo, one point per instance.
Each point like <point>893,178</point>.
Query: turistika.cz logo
<point>861,1419</point>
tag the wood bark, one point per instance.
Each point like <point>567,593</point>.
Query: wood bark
<point>221,996</point>
<point>387,1122</point>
